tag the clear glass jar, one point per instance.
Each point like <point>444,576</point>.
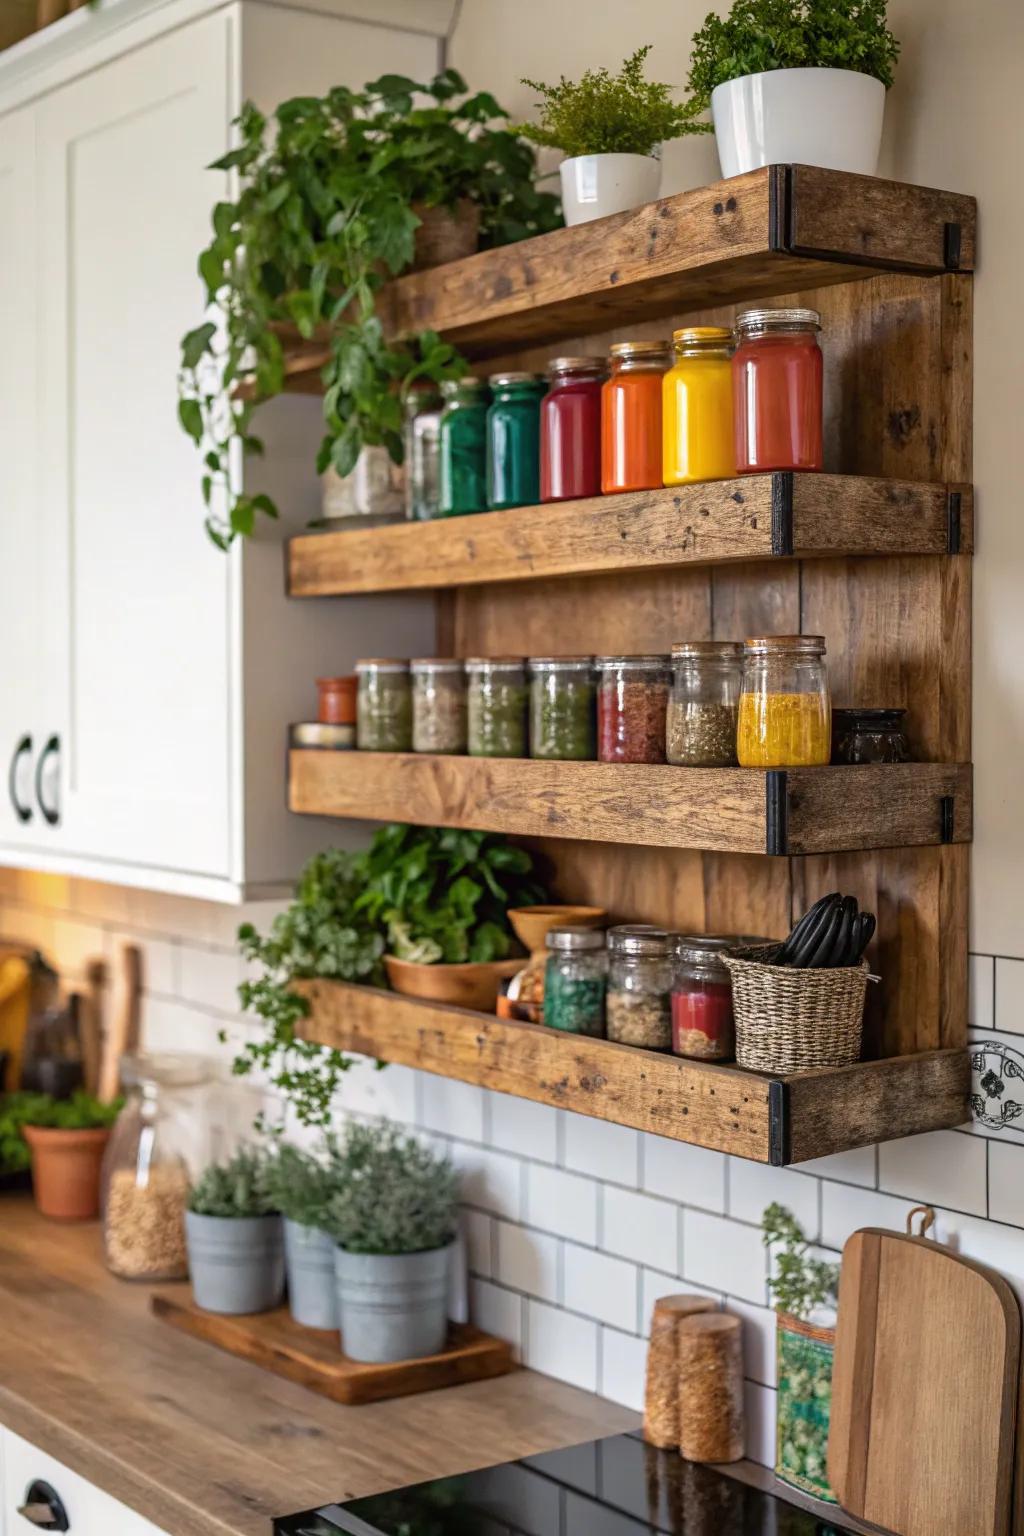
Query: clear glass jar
<point>422,432</point>
<point>372,495</point>
<point>463,447</point>
<point>383,706</point>
<point>146,1175</point>
<point>574,980</point>
<point>513,440</point>
<point>631,405</point>
<point>562,705</point>
<point>777,390</point>
<point>438,705</point>
<point>638,1009</point>
<point>497,706</point>
<point>703,707</point>
<point>785,711</point>
<point>698,440</point>
<point>702,1022</point>
<point>632,698</point>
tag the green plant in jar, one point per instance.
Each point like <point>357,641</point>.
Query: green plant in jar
<point>602,113</point>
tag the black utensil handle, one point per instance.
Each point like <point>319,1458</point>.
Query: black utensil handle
<point>23,812</point>
<point>51,813</point>
<point>43,1508</point>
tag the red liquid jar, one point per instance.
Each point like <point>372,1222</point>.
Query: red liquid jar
<point>777,390</point>
<point>570,429</point>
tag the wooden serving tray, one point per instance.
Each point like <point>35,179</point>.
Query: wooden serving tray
<point>312,1357</point>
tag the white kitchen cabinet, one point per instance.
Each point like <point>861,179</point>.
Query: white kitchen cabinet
<point>89,1511</point>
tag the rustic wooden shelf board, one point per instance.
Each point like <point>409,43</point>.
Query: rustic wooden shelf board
<point>763,1118</point>
<point>312,1357</point>
<point>754,517</point>
<point>727,810</point>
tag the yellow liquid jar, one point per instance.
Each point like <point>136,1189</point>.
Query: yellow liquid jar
<point>698,441</point>
<point>785,714</point>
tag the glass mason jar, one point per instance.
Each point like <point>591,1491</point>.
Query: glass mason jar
<point>372,494</point>
<point>383,706</point>
<point>698,441</point>
<point>463,447</point>
<point>632,698</point>
<point>631,403</point>
<point>438,705</point>
<point>146,1176</point>
<point>562,707</point>
<point>574,980</point>
<point>702,710</point>
<point>513,440</point>
<point>702,1021</point>
<point>869,736</point>
<point>777,390</point>
<point>570,429</point>
<point>785,712</point>
<point>422,432</point>
<point>638,1008</point>
<point>497,706</point>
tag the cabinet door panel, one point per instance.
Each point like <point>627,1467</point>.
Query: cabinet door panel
<point>143,619</point>
<point>90,1511</point>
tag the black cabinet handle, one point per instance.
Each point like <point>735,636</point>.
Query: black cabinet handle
<point>23,812</point>
<point>51,813</point>
<point>43,1508</point>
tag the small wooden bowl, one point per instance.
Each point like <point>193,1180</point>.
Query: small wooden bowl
<point>532,925</point>
<point>474,985</point>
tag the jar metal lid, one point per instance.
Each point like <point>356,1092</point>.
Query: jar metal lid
<point>640,349</point>
<point>495,663</point>
<point>436,664</point>
<point>706,949</point>
<point>559,365</point>
<point>638,939</point>
<point>846,715</point>
<point>561,663</point>
<point>764,322</point>
<point>785,645</point>
<point>314,734</point>
<point>701,335</point>
<point>575,938</point>
<point>687,650</point>
<point>501,380</point>
<point>638,663</point>
<point>381,664</point>
<point>451,388</point>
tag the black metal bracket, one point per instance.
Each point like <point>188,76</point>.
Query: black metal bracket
<point>778,1123</point>
<point>954,508</point>
<point>782,512</point>
<point>947,806</point>
<point>776,811</point>
<point>951,246</point>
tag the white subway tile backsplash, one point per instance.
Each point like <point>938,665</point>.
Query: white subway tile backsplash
<point>640,1227</point>
<point>452,1108</point>
<point>855,1167</point>
<point>623,1368</point>
<point>491,1180</point>
<point>387,1091</point>
<point>753,1186</point>
<point>522,1127</point>
<point>476,1231</point>
<point>560,1345</point>
<point>600,1286</point>
<point>988,1242</point>
<point>758,1340</point>
<point>844,1209</point>
<point>981,974</point>
<point>168,1025</point>
<point>938,1168</point>
<point>604,1151</point>
<point>561,1202</point>
<point>497,1311</point>
<point>690,1175</point>
<point>209,978</point>
<point>654,1285</point>
<point>1009,1009</point>
<point>1006,1183</point>
<point>759,1406</point>
<point>160,960</point>
<point>527,1261</point>
<point>724,1256</point>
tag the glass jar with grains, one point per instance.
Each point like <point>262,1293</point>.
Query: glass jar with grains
<point>497,706</point>
<point>562,707</point>
<point>438,705</point>
<point>383,706</point>
<point>702,710</point>
<point>638,1009</point>
<point>632,695</point>
<point>145,1176</point>
<point>574,980</point>
<point>785,713</point>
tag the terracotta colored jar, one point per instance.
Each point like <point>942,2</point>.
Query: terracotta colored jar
<point>66,1171</point>
<point>336,700</point>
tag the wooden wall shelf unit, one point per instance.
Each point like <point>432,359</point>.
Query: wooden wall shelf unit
<point>874,554</point>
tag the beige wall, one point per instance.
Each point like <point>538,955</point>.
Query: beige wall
<point>955,118</point>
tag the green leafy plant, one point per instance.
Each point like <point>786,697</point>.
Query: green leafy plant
<point>16,1110</point>
<point>239,1187</point>
<point>300,1184</point>
<point>602,114</point>
<point>759,35</point>
<point>395,1196</point>
<point>82,1112</point>
<point>799,1282</point>
<point>326,213</point>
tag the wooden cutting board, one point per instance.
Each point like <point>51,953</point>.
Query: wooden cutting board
<point>924,1389</point>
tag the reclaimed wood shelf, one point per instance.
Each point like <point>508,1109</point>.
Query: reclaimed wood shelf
<point>754,517</point>
<point>767,1119</point>
<point>725,810</point>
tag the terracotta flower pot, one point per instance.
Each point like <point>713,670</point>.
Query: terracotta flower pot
<point>474,985</point>
<point>531,925</point>
<point>445,234</point>
<point>66,1171</point>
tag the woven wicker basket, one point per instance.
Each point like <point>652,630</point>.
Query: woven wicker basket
<point>790,1020</point>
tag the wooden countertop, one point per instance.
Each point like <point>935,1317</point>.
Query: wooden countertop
<point>206,1445</point>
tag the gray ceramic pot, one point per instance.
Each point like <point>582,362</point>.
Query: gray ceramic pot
<point>236,1262</point>
<point>392,1306</point>
<point>309,1263</point>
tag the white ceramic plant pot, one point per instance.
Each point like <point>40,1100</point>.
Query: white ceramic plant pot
<point>596,185</point>
<point>826,117</point>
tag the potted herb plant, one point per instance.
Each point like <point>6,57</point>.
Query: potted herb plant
<point>235,1250</point>
<point>67,1139</point>
<point>393,1218</point>
<point>795,81</point>
<point>804,1289</point>
<point>610,129</point>
<point>301,1186</point>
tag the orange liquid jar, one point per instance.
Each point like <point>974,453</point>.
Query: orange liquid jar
<point>777,385</point>
<point>631,416</point>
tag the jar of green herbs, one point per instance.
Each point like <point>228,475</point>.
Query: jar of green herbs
<point>383,705</point>
<point>497,706</point>
<point>562,707</point>
<point>574,981</point>
<point>463,447</point>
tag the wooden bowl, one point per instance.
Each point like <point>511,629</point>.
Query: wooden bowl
<point>532,925</point>
<point>474,985</point>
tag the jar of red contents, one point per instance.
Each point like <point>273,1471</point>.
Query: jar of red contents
<point>570,429</point>
<point>631,416</point>
<point>702,1023</point>
<point>777,391</point>
<point>336,700</point>
<point>632,700</point>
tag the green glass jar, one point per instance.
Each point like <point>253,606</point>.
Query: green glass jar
<point>497,706</point>
<point>513,440</point>
<point>383,706</point>
<point>463,447</point>
<point>562,707</point>
<point>574,981</point>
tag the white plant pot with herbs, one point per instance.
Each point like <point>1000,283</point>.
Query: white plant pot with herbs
<point>235,1247</point>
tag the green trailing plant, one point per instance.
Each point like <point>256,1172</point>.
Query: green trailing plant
<point>395,1194</point>
<point>301,1184</point>
<point>238,1187</point>
<point>81,1112</point>
<point>759,35</point>
<point>325,214</point>
<point>602,113</point>
<point>799,1282</point>
<point>16,1110</point>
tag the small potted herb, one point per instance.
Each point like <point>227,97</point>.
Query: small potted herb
<point>301,1186</point>
<point>804,1289</point>
<point>67,1139</point>
<point>235,1249</point>
<point>795,82</point>
<point>394,1221</point>
<point>610,128</point>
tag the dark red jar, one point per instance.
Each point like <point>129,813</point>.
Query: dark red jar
<point>632,705</point>
<point>570,429</point>
<point>777,390</point>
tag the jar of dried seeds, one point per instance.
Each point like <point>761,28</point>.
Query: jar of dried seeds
<point>632,696</point>
<point>638,1010</point>
<point>497,703</point>
<point>438,705</point>
<point>703,707</point>
<point>383,706</point>
<point>562,706</point>
<point>574,980</point>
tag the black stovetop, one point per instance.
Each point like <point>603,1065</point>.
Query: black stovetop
<point>614,1487</point>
